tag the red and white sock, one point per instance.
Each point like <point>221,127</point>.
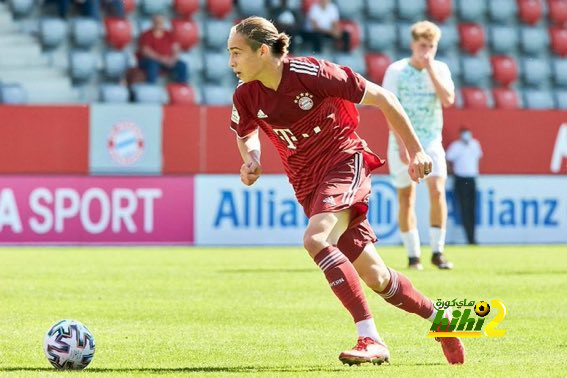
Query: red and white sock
<point>401,293</point>
<point>343,279</point>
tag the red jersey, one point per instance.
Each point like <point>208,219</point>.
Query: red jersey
<point>162,45</point>
<point>311,118</point>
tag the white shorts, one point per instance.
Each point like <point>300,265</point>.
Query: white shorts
<point>399,171</point>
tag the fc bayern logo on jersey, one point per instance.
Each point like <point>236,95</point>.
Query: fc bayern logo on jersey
<point>304,100</point>
<point>125,143</point>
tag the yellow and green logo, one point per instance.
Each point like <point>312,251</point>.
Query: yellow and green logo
<point>464,323</point>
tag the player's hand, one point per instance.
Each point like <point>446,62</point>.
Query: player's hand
<point>420,166</point>
<point>250,172</point>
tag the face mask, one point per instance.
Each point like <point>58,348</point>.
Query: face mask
<point>466,136</point>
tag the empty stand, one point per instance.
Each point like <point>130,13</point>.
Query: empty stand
<point>474,98</point>
<point>185,32</point>
<point>472,37</point>
<point>505,98</point>
<point>118,32</point>
<point>440,10</point>
<point>376,65</point>
<point>504,69</point>
<point>530,11</point>
<point>181,94</point>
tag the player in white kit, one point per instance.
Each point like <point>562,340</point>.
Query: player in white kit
<point>423,85</point>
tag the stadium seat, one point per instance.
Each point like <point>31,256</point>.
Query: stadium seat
<point>129,5</point>
<point>538,99</point>
<point>12,93</point>
<point>350,9</point>
<point>449,38</point>
<point>557,11</point>
<point>186,8</point>
<point>118,32</point>
<point>217,95</point>
<point>475,70</point>
<point>149,93</point>
<point>180,94</point>
<point>502,11</point>
<point>440,10</point>
<point>114,93</point>
<point>115,64</point>
<point>252,8</point>
<point>194,61</point>
<point>216,67</point>
<point>380,10</point>
<point>354,61</point>
<point>530,11</point>
<point>411,10</point>
<point>404,37</point>
<point>503,39</point>
<point>21,8</point>
<point>84,32</point>
<point>376,65</point>
<point>504,69</point>
<point>474,98</point>
<point>505,98</point>
<point>307,5</point>
<point>561,99</point>
<point>452,60</point>
<point>471,11</point>
<point>534,40</point>
<point>558,40</point>
<point>472,37</point>
<point>216,33</point>
<point>219,8</point>
<point>52,31</point>
<point>380,36</point>
<point>355,34</point>
<point>151,7</point>
<point>185,32</point>
<point>535,71</point>
<point>559,68</point>
<point>82,65</point>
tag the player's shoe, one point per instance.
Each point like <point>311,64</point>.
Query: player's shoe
<point>366,350</point>
<point>440,261</point>
<point>453,349</point>
<point>415,263</point>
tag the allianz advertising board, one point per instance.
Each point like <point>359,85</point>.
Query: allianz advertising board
<point>510,209</point>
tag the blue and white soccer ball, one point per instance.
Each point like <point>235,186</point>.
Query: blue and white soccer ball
<point>69,345</point>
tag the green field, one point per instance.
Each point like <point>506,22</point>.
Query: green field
<point>269,311</point>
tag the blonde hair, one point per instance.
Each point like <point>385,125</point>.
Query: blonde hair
<point>258,31</point>
<point>426,30</point>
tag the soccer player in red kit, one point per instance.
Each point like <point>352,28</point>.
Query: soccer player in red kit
<point>306,107</point>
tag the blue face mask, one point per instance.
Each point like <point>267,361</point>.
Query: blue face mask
<point>466,136</point>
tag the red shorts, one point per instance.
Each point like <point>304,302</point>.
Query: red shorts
<point>347,185</point>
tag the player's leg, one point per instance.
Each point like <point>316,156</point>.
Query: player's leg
<point>406,208</point>
<point>438,205</point>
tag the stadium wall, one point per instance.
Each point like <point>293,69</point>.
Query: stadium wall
<point>152,174</point>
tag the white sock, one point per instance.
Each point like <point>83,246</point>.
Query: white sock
<point>448,313</point>
<point>367,328</point>
<point>437,239</point>
<point>411,242</point>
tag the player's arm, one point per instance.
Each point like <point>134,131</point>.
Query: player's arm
<point>444,91</point>
<point>398,120</point>
<point>249,148</point>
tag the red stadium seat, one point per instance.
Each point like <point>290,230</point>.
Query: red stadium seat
<point>474,98</point>
<point>558,40</point>
<point>185,8</point>
<point>185,32</point>
<point>307,5</point>
<point>129,5</point>
<point>530,11</point>
<point>472,37</point>
<point>557,11</point>
<point>504,69</point>
<point>376,65</point>
<point>355,34</point>
<point>180,94</point>
<point>118,32</point>
<point>219,8</point>
<point>505,98</point>
<point>440,9</point>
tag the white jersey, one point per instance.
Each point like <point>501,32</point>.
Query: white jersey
<point>417,95</point>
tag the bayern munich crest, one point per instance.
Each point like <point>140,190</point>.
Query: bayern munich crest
<point>304,100</point>
<point>126,143</point>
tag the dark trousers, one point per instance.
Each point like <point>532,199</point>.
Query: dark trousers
<point>316,39</point>
<point>152,69</point>
<point>465,193</point>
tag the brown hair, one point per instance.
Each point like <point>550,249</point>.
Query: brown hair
<point>258,31</point>
<point>427,30</point>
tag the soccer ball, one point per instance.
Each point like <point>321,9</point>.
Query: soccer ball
<point>69,345</point>
<point>482,308</point>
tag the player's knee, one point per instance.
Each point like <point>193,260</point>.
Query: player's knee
<point>437,195</point>
<point>313,244</point>
<point>376,277</point>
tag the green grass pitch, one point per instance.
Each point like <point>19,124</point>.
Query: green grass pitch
<point>269,312</point>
